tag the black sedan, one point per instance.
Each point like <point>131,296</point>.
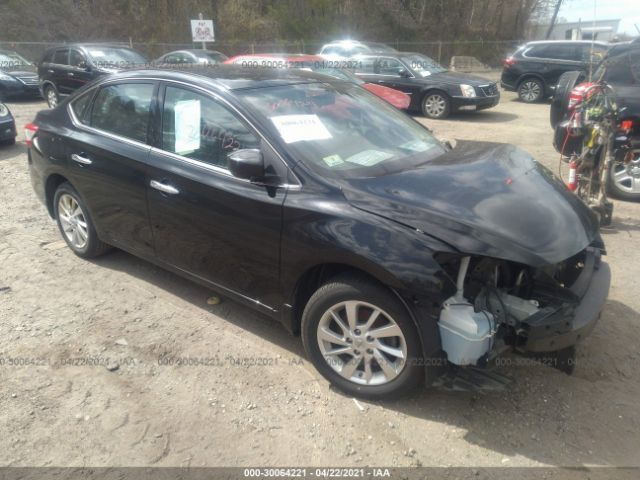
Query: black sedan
<point>318,204</point>
<point>7,126</point>
<point>434,90</point>
<point>18,77</point>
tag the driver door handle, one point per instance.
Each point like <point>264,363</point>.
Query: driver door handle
<point>80,159</point>
<point>163,187</point>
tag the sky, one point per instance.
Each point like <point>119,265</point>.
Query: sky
<point>626,10</point>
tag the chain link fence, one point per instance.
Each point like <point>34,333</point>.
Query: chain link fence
<point>487,54</point>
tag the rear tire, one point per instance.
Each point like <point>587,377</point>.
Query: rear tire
<point>75,223</point>
<point>623,184</point>
<point>530,90</point>
<point>338,317</point>
<point>51,96</point>
<point>560,100</point>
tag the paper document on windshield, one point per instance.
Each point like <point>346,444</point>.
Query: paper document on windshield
<point>187,122</point>
<point>297,128</point>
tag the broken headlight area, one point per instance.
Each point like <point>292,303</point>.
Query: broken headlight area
<point>500,305</point>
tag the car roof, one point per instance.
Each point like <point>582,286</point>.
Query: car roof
<point>226,77</point>
<point>389,54</point>
<point>286,56</point>
<point>576,42</point>
<point>192,50</point>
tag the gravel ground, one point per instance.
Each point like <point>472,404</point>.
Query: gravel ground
<point>89,389</point>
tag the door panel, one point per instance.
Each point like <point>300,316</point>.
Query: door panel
<point>208,223</point>
<point>113,186</point>
<point>108,158</point>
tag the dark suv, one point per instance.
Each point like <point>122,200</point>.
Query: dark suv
<point>534,69</point>
<point>64,69</point>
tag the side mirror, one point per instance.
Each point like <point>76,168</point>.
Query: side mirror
<point>246,163</point>
<point>404,73</point>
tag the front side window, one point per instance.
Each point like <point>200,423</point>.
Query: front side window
<point>197,127</point>
<point>390,67</point>
<point>341,130</point>
<point>123,109</point>
<point>76,59</point>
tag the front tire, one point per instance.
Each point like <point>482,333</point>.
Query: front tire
<point>436,105</point>
<point>361,338</point>
<point>75,223</point>
<point>530,90</point>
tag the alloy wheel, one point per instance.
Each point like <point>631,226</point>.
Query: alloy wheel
<point>530,91</point>
<point>627,177</point>
<point>52,98</point>
<point>435,105</point>
<point>73,221</point>
<point>362,343</point>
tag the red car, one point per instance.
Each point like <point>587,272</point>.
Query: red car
<point>318,64</point>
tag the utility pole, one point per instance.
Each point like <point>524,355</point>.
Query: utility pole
<point>553,19</point>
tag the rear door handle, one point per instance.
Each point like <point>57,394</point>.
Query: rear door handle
<point>80,159</point>
<point>70,74</point>
<point>163,187</point>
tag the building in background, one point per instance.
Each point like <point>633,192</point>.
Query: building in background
<point>602,30</point>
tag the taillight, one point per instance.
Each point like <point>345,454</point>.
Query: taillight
<point>509,62</point>
<point>577,94</point>
<point>626,125</point>
<point>30,130</point>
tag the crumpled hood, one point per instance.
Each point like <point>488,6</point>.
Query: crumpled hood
<point>483,199</point>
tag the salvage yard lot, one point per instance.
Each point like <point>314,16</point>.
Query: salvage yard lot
<point>117,362</point>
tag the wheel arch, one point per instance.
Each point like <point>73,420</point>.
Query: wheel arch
<point>51,185</point>
<point>527,76</point>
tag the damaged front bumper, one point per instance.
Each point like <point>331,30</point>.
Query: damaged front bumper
<point>562,327</point>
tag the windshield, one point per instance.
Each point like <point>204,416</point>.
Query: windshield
<point>422,65</point>
<point>341,130</point>
<point>115,57</point>
<point>12,59</point>
<point>338,73</point>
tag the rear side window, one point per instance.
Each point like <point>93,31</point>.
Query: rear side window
<point>61,57</point>
<point>618,71</point>
<point>365,66</point>
<point>79,105</point>
<point>592,54</point>
<point>48,57</point>
<point>197,127</point>
<point>554,52</point>
<point>123,109</point>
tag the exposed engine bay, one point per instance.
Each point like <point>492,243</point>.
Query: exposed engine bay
<point>501,305</point>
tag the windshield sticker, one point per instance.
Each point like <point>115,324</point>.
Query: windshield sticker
<point>415,146</point>
<point>333,160</point>
<point>367,158</point>
<point>187,126</point>
<point>297,128</point>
